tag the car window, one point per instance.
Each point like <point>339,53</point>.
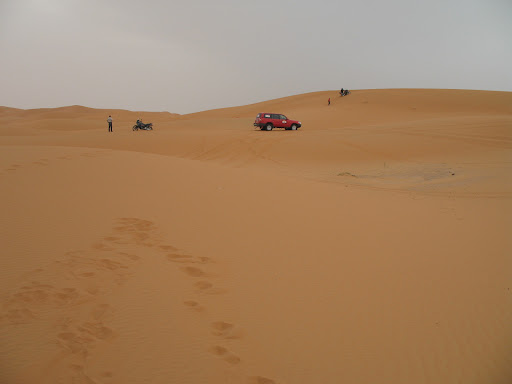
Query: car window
<point>267,116</point>
<point>277,117</point>
<point>283,117</point>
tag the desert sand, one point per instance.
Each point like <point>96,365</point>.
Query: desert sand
<point>373,245</point>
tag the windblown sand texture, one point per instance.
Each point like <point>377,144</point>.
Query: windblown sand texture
<point>373,245</point>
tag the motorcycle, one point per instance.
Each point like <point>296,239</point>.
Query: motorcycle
<point>140,125</point>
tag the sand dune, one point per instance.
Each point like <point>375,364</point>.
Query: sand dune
<point>371,246</point>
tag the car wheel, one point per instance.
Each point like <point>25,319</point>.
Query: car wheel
<point>293,127</point>
<point>268,127</point>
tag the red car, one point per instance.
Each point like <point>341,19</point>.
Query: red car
<point>269,121</point>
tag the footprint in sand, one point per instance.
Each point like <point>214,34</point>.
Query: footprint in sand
<point>112,238</point>
<point>99,311</point>
<point>74,343</point>
<point>225,354</point>
<point>187,259</point>
<point>133,224</point>
<point>193,271</point>
<point>66,296</point>
<point>168,248</point>
<point>177,258</point>
<point>193,305</point>
<point>81,338</point>
<point>43,294</point>
<point>203,285</point>
<point>102,247</point>
<point>92,291</point>
<point>226,330</point>
<point>117,240</point>
<point>218,350</point>
<point>222,326</point>
<point>110,264</point>
<point>79,375</point>
<point>107,374</point>
<point>97,330</point>
<point>18,316</point>
<point>232,359</point>
<point>86,274</point>
<point>129,255</point>
<point>138,231</point>
<point>30,296</point>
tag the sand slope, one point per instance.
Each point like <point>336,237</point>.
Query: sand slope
<point>372,245</point>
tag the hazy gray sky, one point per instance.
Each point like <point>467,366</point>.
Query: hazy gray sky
<point>186,56</point>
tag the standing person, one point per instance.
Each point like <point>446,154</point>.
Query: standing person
<point>341,92</point>
<point>109,123</point>
<point>329,101</point>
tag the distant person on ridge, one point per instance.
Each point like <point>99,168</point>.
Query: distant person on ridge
<point>109,120</point>
<point>341,92</point>
<point>329,101</point>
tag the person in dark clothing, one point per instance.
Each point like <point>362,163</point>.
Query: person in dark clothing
<point>109,120</point>
<point>329,101</point>
<point>341,92</point>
